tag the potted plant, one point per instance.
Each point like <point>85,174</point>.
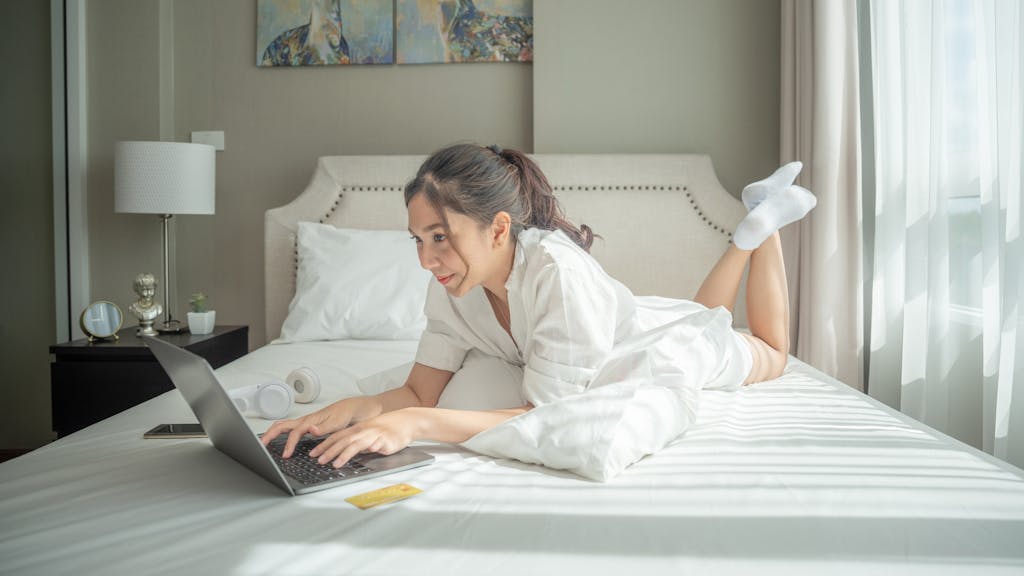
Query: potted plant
<point>200,320</point>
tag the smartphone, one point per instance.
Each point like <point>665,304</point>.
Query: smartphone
<point>176,431</point>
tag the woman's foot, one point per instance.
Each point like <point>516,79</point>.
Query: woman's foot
<point>755,193</point>
<point>778,208</point>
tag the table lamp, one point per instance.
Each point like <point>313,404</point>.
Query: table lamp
<point>164,178</point>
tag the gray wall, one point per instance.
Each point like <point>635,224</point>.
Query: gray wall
<point>642,76</point>
<point>276,123</point>
<point>123,103</point>
<point>661,76</point>
<point>27,323</point>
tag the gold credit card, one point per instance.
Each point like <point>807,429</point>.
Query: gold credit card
<point>384,495</point>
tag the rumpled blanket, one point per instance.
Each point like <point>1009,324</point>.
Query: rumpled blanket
<point>643,397</point>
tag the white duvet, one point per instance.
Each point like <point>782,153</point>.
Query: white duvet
<point>624,414</point>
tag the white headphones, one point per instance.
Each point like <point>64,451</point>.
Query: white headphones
<point>272,400</point>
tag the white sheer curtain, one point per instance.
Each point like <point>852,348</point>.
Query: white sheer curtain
<point>820,126</point>
<point>945,343</point>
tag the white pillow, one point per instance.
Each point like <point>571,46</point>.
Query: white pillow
<point>356,284</point>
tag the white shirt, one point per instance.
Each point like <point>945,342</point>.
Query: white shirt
<point>573,327</point>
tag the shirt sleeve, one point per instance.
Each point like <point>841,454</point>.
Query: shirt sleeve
<point>575,311</point>
<point>441,346</point>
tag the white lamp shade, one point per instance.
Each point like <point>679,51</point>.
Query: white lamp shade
<point>164,178</point>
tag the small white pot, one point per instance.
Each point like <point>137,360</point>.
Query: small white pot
<point>201,322</point>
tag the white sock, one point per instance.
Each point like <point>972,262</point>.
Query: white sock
<point>754,193</point>
<point>779,208</point>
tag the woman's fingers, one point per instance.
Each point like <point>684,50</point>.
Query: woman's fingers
<point>341,453</point>
<point>294,436</point>
<point>296,430</point>
<point>317,424</point>
<point>275,430</point>
<point>374,437</point>
<point>343,446</point>
<point>383,435</point>
<point>325,444</point>
<point>323,421</point>
<point>338,439</point>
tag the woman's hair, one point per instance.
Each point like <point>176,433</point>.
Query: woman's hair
<point>481,181</point>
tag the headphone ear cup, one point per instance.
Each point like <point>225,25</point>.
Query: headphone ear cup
<point>243,397</point>
<point>305,383</point>
<point>273,400</point>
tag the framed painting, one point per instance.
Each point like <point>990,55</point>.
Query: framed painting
<point>434,31</point>
<point>324,32</point>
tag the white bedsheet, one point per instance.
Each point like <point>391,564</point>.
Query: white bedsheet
<point>796,476</point>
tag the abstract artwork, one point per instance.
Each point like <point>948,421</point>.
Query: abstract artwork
<point>324,32</point>
<point>432,31</point>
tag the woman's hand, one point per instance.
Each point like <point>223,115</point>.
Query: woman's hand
<point>384,434</point>
<point>324,421</point>
<point>389,432</point>
<point>423,388</point>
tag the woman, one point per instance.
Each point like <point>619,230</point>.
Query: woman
<point>514,280</point>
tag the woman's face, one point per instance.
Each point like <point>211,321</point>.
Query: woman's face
<point>458,274</point>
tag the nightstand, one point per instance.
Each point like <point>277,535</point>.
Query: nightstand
<point>92,381</point>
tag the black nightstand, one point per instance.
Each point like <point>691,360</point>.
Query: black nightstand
<point>92,381</point>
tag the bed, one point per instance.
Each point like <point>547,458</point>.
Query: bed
<point>799,475</point>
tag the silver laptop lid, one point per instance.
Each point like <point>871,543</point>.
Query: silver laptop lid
<point>224,424</point>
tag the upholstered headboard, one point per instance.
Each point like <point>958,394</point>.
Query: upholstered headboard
<point>664,219</point>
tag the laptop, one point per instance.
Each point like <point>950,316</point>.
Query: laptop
<point>229,432</point>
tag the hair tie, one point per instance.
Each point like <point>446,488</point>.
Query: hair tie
<point>496,149</point>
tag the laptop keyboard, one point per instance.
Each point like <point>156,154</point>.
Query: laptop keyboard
<point>307,470</point>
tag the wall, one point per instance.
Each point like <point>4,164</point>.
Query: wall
<point>123,102</point>
<point>661,76</point>
<point>655,76</point>
<point>683,76</point>
<point>276,123</point>
<point>27,324</point>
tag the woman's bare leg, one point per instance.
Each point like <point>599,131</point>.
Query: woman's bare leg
<point>722,284</point>
<point>767,311</point>
<point>767,302</point>
<point>772,203</point>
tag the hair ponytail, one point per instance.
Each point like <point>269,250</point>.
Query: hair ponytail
<point>481,181</point>
<point>542,209</point>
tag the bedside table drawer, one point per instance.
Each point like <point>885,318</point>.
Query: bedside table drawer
<point>85,392</point>
<point>93,381</point>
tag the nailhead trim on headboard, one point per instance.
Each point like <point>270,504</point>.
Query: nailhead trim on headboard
<point>689,196</point>
<point>341,194</point>
<point>693,202</point>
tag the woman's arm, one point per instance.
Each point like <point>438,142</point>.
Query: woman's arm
<point>457,426</point>
<point>422,388</point>
<point>424,383</point>
<point>388,433</point>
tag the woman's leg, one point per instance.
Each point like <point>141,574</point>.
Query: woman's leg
<point>772,203</point>
<point>722,284</point>
<point>767,302</point>
<point>783,203</point>
<point>767,311</point>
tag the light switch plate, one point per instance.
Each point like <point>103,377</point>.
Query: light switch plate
<point>213,138</point>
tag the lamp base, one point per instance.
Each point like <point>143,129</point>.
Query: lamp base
<point>170,327</point>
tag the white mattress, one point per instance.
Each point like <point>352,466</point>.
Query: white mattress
<point>797,475</point>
